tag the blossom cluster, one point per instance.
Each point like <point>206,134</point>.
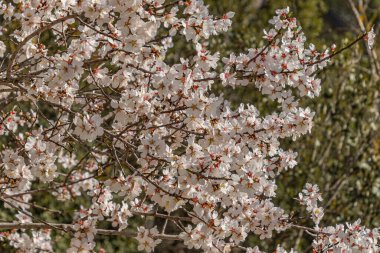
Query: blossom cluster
<point>146,238</point>
<point>99,114</point>
<point>348,238</point>
<point>310,197</point>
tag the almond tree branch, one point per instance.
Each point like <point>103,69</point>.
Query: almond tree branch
<point>9,225</point>
<point>70,227</point>
<point>30,36</point>
<point>372,54</point>
<point>340,50</point>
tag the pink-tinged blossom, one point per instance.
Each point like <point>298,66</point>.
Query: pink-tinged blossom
<point>146,239</point>
<point>371,38</point>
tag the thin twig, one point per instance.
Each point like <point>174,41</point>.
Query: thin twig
<point>9,225</point>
